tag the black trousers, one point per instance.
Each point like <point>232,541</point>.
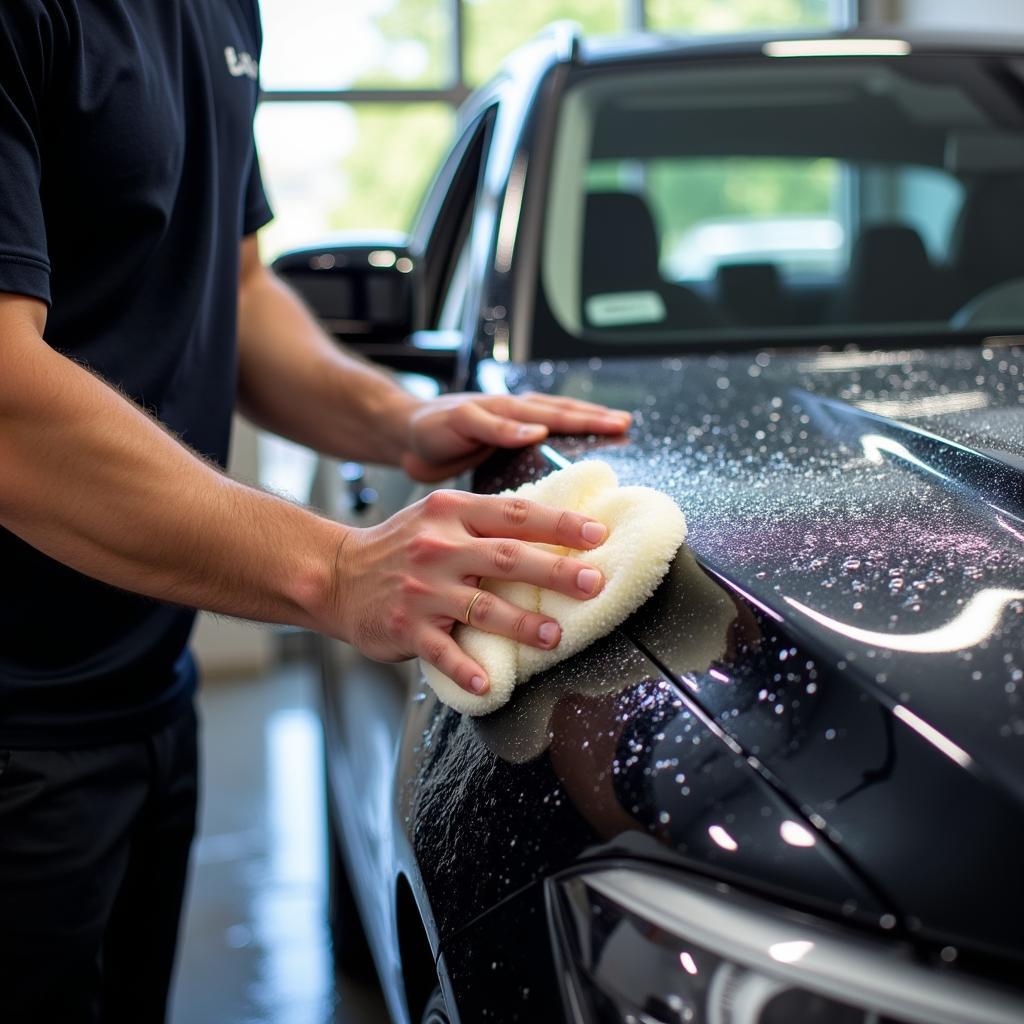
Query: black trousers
<point>94,849</point>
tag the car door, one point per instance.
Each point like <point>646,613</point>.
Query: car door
<point>364,702</point>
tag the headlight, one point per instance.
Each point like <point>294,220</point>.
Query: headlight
<point>639,948</point>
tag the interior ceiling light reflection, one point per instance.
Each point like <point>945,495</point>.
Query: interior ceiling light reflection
<point>977,621</point>
<point>837,48</point>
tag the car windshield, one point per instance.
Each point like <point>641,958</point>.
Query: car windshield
<point>791,198</point>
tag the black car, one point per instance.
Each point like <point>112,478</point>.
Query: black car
<point>790,789</point>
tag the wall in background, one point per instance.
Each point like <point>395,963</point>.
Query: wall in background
<point>976,16</point>
<point>226,646</point>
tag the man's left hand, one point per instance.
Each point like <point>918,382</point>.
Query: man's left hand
<point>456,432</point>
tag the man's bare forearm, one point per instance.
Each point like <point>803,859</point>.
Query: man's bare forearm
<point>297,382</point>
<point>89,479</point>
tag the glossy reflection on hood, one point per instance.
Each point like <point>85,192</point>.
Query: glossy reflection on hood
<point>522,730</point>
<point>884,528</point>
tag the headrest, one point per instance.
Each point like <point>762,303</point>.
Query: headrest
<point>890,278</point>
<point>888,248</point>
<point>747,280</point>
<point>751,292</point>
<point>987,246</point>
<point>620,244</point>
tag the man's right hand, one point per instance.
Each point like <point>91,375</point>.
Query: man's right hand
<point>403,585</point>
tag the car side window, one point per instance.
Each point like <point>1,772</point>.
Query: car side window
<point>447,248</point>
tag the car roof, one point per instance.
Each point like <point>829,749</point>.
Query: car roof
<point>642,45</point>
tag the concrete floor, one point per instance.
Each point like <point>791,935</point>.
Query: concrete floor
<point>255,945</point>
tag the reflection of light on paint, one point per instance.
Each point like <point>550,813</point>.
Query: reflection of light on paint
<point>770,612</point>
<point>720,676</point>
<point>508,225</point>
<point>933,736</point>
<point>876,447</point>
<point>795,834</point>
<point>837,48</point>
<point>687,962</point>
<point>977,621</point>
<point>1009,529</point>
<point>501,350</point>
<point>842,362</point>
<point>288,909</point>
<point>790,952</point>
<point>381,258</point>
<point>931,405</point>
<point>722,838</point>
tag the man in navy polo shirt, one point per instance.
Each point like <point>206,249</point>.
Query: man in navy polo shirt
<point>134,316</point>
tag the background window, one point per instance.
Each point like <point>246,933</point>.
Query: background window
<point>333,167</point>
<point>345,44</point>
<point>360,98</point>
<point>738,15</point>
<point>496,27</point>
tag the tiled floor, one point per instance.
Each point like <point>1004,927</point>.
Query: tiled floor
<point>255,946</point>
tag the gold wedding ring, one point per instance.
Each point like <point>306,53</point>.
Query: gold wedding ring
<point>472,601</point>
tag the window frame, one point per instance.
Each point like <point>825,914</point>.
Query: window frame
<point>844,14</point>
<point>457,90</point>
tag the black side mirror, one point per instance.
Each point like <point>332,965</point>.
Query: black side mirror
<point>364,292</point>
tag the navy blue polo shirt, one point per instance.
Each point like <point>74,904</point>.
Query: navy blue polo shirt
<point>128,177</point>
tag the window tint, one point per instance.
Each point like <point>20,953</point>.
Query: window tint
<point>828,197</point>
<point>446,227</point>
<point>710,212</point>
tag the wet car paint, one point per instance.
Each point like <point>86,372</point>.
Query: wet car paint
<point>880,563</point>
<point>793,722</point>
<point>588,753</point>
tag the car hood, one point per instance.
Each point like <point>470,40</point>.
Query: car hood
<point>867,510</point>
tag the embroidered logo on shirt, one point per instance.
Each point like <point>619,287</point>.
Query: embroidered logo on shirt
<point>240,64</point>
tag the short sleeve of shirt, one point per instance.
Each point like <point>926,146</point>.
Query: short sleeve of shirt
<point>257,209</point>
<point>27,52</point>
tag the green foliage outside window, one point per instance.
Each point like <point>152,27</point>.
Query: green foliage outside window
<point>685,193</point>
<point>496,27</point>
<point>736,15</point>
<point>396,148</point>
<point>397,151</point>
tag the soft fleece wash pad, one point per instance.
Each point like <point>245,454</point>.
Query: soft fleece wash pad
<point>645,529</point>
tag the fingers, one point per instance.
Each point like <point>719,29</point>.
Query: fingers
<point>512,422</point>
<point>559,401</point>
<point>437,648</point>
<point>563,415</point>
<point>475,422</point>
<point>496,615</point>
<point>488,516</point>
<point>513,560</point>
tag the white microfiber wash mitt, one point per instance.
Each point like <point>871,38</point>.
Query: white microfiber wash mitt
<point>645,529</point>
